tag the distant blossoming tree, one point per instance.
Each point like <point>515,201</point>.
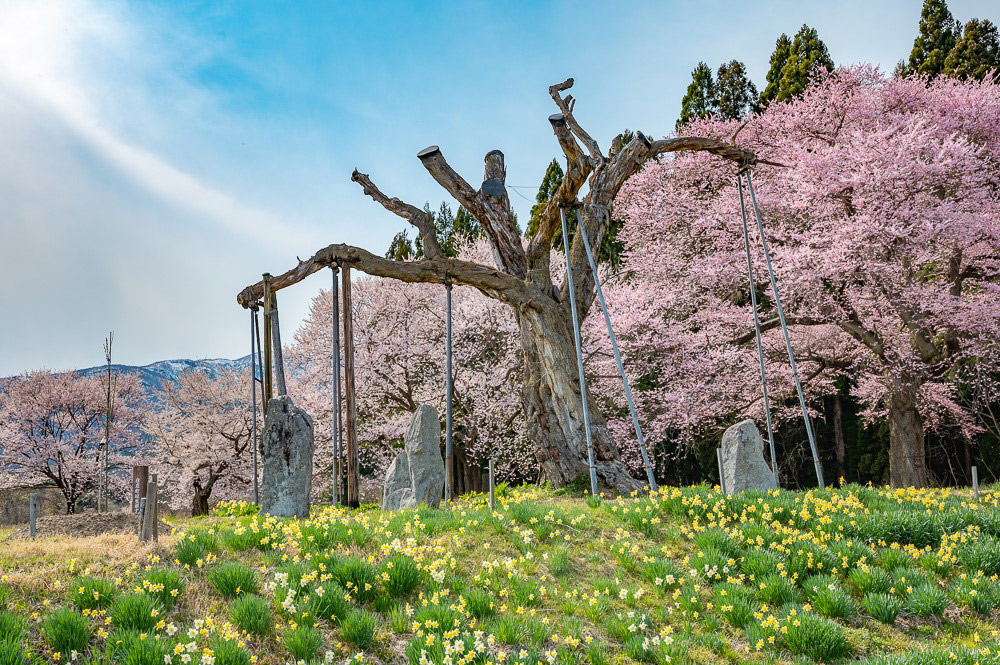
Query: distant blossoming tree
<point>203,429</point>
<point>52,425</point>
<point>399,333</point>
<point>883,228</point>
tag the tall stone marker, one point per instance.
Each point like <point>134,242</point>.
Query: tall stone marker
<point>743,464</point>
<point>416,476</point>
<point>287,451</point>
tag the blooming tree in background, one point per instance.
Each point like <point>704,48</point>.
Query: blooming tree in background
<point>51,427</point>
<point>399,336</point>
<point>203,429</point>
<point>884,228</point>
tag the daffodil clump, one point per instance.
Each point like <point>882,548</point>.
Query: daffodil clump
<point>681,575</point>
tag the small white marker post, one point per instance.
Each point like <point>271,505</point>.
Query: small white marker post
<point>32,514</point>
<point>975,483</point>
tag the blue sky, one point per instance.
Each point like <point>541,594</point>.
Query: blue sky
<point>156,157</point>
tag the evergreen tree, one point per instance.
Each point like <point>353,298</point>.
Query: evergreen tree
<point>550,183</point>
<point>400,249</point>
<point>737,94</point>
<point>452,229</point>
<point>701,98</point>
<point>807,54</point>
<point>782,49</point>
<point>976,53</point>
<point>936,38</point>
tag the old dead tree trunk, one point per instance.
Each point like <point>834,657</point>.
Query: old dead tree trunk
<point>522,276</point>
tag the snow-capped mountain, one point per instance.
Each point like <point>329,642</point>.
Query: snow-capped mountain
<point>154,375</point>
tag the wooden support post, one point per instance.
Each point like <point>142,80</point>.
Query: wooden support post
<point>142,516</point>
<point>351,428</point>
<point>492,490</point>
<point>147,517</point>
<point>279,362</point>
<point>156,509</point>
<point>268,376</point>
<point>722,475</point>
<point>32,513</point>
<point>975,482</point>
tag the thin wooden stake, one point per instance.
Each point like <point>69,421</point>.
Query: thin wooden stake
<point>975,483</point>
<point>493,504</point>
<point>351,428</point>
<point>147,517</point>
<point>142,516</point>
<point>156,509</point>
<point>32,514</point>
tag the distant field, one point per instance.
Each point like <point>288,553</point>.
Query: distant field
<point>681,576</point>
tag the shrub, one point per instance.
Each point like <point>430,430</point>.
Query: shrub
<point>135,611</point>
<point>66,631</point>
<point>329,602</point>
<point>816,637</point>
<point>400,575</point>
<point>776,590</point>
<point>229,652</point>
<point>12,652</point>
<point>870,580</point>
<point>303,642</point>
<point>252,614</point>
<point>12,627</point>
<point>233,578</point>
<point>91,593</point>
<point>882,606</point>
<point>358,628</point>
<point>927,600</point>
<point>356,576</point>
<point>479,603</point>
<point>163,584</point>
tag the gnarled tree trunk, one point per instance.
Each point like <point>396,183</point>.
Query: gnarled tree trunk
<point>907,454</point>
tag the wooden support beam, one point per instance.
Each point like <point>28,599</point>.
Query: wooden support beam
<point>351,429</point>
<point>268,377</point>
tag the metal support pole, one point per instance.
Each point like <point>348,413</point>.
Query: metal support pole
<point>760,342</point>
<point>449,461</point>
<point>268,376</point>
<point>335,321</point>
<point>253,400</point>
<point>618,355</point>
<point>579,356</point>
<point>351,429</point>
<point>784,330</point>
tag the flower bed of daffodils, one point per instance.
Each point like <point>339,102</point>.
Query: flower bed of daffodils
<point>682,575</point>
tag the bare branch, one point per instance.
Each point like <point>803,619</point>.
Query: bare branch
<point>566,106</point>
<point>775,322</point>
<point>741,156</point>
<point>411,213</point>
<point>490,281</point>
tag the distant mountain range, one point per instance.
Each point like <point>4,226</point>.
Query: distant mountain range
<point>154,375</point>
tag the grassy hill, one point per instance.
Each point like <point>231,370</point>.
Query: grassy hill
<point>681,576</point>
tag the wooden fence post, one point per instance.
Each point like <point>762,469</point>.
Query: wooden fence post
<point>142,516</point>
<point>722,475</point>
<point>492,491</point>
<point>975,482</point>
<point>32,514</point>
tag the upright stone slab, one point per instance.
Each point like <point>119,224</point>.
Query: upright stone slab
<point>286,448</point>
<point>416,476</point>
<point>743,464</point>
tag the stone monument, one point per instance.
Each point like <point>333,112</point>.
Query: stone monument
<point>416,476</point>
<point>743,465</point>
<point>286,448</point>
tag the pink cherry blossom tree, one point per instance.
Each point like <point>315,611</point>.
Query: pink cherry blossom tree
<point>399,334</point>
<point>51,427</point>
<point>883,228</point>
<point>204,434</point>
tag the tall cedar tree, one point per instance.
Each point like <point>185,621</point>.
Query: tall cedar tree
<point>452,229</point>
<point>736,93</point>
<point>782,49</point>
<point>701,99</point>
<point>976,53</point>
<point>936,38</point>
<point>807,55</point>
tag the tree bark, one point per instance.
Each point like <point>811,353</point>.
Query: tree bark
<point>840,450</point>
<point>907,465</point>
<point>199,502</point>
<point>554,408</point>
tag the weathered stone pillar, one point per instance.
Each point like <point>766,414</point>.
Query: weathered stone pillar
<point>416,476</point>
<point>286,448</point>
<point>743,464</point>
